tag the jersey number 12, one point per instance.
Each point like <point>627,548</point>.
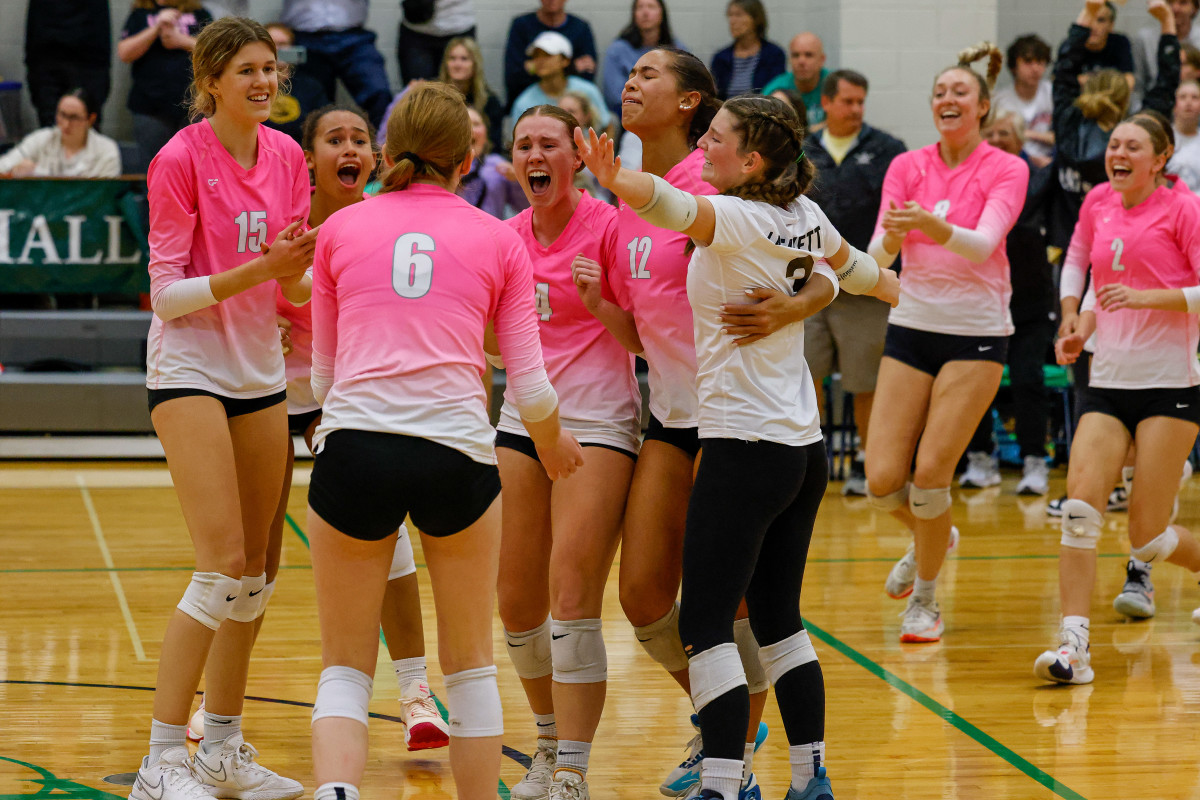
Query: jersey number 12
<point>639,254</point>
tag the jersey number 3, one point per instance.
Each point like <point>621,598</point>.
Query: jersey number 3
<point>412,268</point>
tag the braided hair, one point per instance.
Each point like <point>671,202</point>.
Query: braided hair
<point>771,128</point>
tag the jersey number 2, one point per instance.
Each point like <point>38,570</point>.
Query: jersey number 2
<point>412,269</point>
<point>639,247</point>
<point>1118,247</point>
<point>252,231</point>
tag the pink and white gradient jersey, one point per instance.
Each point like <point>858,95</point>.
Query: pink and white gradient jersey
<point>762,390</point>
<point>598,396</point>
<point>209,215</point>
<point>297,365</point>
<point>403,287</point>
<point>940,291</point>
<point>1154,245</point>
<point>653,288</point>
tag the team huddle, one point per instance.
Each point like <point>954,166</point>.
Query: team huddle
<point>393,308</point>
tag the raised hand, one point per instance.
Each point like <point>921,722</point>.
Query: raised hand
<point>599,154</point>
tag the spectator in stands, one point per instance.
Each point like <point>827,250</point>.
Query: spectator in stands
<point>852,159</point>
<point>1189,62</point>
<point>796,101</point>
<point>751,62</point>
<point>1104,49</point>
<point>68,149</point>
<point>1145,41</point>
<point>426,31</point>
<point>339,47</point>
<point>549,59</point>
<point>1186,124</point>
<point>648,27</point>
<point>490,185</point>
<point>581,108</point>
<point>157,40</point>
<point>462,67</point>
<point>1032,306</point>
<point>1030,96</point>
<point>550,16</point>
<point>304,92</point>
<point>1084,119</point>
<point>63,50</point>
<point>806,55</point>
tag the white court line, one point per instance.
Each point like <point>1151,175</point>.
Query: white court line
<point>138,650</point>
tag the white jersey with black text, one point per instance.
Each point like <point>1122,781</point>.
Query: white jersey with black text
<point>762,390</point>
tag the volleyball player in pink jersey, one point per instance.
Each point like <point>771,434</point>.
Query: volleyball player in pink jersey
<point>404,285</point>
<point>1142,239</point>
<point>758,486</point>
<point>668,102</point>
<point>560,538</point>
<point>946,209</point>
<point>220,190</point>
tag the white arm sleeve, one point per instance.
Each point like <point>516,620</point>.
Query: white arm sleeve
<point>1089,300</point>
<point>883,259</point>
<point>322,376</point>
<point>534,397</point>
<point>670,208</point>
<point>183,297</point>
<point>1192,295</point>
<point>860,273</point>
<point>975,246</point>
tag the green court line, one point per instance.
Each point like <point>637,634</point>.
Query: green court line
<point>296,528</point>
<point>950,716</point>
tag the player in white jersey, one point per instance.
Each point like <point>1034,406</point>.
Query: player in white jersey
<point>758,424</point>
<point>219,191</point>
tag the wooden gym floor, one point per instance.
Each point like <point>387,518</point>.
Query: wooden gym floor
<point>94,556</point>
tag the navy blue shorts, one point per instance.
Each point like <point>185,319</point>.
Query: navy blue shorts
<point>1131,406</point>
<point>686,439</point>
<point>523,444</point>
<point>929,352</point>
<point>234,407</point>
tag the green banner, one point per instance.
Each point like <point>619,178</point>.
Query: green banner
<point>60,235</point>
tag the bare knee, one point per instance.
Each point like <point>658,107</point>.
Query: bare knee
<point>646,600</point>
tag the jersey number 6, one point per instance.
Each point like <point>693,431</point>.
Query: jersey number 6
<point>412,269</point>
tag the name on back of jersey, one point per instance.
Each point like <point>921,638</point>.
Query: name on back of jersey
<point>802,242</point>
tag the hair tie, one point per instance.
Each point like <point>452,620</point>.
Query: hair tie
<point>800,157</point>
<point>413,157</point>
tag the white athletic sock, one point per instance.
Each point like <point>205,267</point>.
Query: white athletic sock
<point>409,670</point>
<point>218,728</point>
<point>573,755</point>
<point>336,791</point>
<point>163,737</point>
<point>748,761</point>
<point>546,729</point>
<point>924,590</point>
<point>1079,626</point>
<point>805,759</point>
<point>723,775</point>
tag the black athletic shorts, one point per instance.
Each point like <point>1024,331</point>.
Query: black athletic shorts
<point>523,444</point>
<point>929,352</point>
<point>1131,406</point>
<point>364,483</point>
<point>686,439</point>
<point>234,407</point>
<point>298,423</point>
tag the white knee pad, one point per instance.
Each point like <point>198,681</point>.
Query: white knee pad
<point>1159,548</point>
<point>715,672</point>
<point>268,590</point>
<point>530,651</point>
<point>343,692</point>
<point>748,650</point>
<point>249,603</point>
<point>888,502</point>
<point>473,700</point>
<point>209,598</point>
<point>403,562</point>
<point>577,647</point>
<point>794,651</point>
<point>929,503</point>
<point>661,641</point>
<point>1080,525</point>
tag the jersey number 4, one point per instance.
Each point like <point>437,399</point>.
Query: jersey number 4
<point>412,267</point>
<point>639,254</point>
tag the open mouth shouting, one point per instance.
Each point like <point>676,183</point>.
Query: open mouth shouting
<point>539,181</point>
<point>349,173</point>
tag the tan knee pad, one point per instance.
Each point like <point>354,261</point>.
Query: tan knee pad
<point>888,502</point>
<point>929,503</point>
<point>660,639</point>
